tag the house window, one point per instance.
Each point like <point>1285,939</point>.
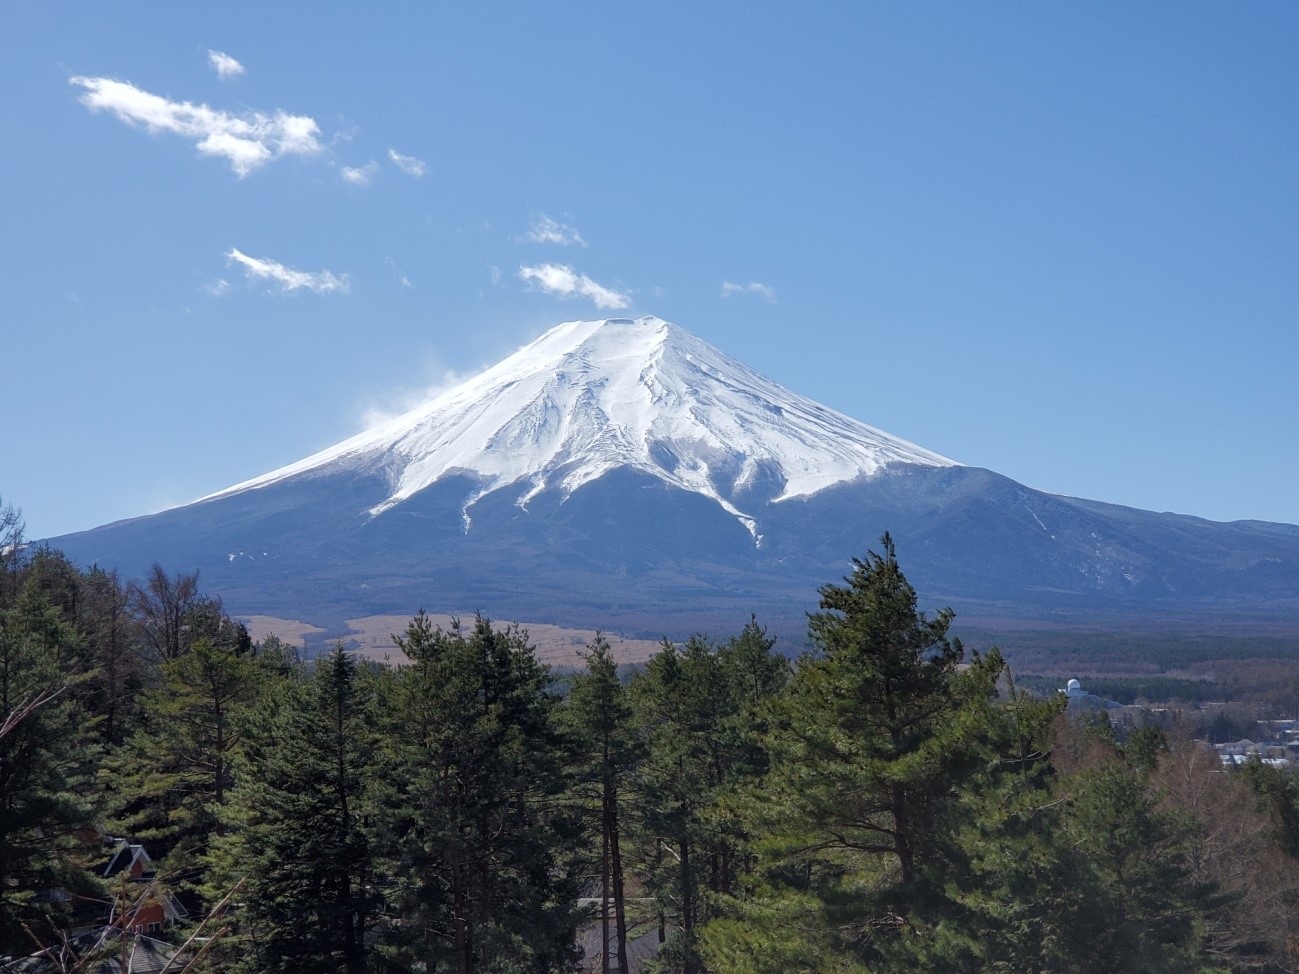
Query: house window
<point>154,927</point>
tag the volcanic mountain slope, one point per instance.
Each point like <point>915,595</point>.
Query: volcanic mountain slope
<point>590,397</point>
<point>626,473</point>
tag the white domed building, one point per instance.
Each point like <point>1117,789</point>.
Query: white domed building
<point>1081,699</point>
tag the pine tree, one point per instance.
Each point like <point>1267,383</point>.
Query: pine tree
<point>676,699</point>
<point>483,842</point>
<point>105,618</point>
<point>853,823</point>
<point>1277,793</point>
<point>168,782</point>
<point>599,716</point>
<point>1021,892</point>
<point>887,680</point>
<point>1139,911</point>
<point>698,709</point>
<point>46,763</point>
<point>754,675</point>
<point>298,826</point>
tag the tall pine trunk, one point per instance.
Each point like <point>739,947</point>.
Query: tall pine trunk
<point>691,961</point>
<point>604,881</point>
<point>615,862</point>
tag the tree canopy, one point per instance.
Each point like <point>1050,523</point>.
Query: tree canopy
<point>886,802</point>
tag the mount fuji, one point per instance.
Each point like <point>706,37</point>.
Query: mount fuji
<point>624,473</point>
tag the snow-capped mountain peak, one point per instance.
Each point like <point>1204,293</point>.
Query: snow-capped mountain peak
<point>603,477</point>
<point>588,397</point>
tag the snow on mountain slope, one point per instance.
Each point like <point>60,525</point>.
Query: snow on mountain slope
<point>591,396</point>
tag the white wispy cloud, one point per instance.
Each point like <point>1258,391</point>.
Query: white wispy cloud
<point>395,404</point>
<point>402,279</point>
<point>359,176</point>
<point>218,288</point>
<point>247,142</point>
<point>407,164</point>
<point>224,65</point>
<point>564,282</point>
<point>344,135</point>
<point>548,231</point>
<point>257,268</point>
<point>764,291</point>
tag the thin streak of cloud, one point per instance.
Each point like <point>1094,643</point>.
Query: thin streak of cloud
<point>544,230</point>
<point>763,291</point>
<point>410,165</point>
<point>246,142</point>
<point>402,279</point>
<point>257,268</point>
<point>218,288</point>
<point>345,134</point>
<point>564,282</point>
<point>395,405</point>
<point>361,175</point>
<point>224,65</point>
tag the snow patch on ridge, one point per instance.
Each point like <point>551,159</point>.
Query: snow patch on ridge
<point>588,397</point>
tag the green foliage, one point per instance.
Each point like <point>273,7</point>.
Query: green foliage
<point>598,716</point>
<point>1012,900</point>
<point>482,841</point>
<point>1144,746</point>
<point>598,711</point>
<point>1277,794</point>
<point>299,827</point>
<point>852,822</point>
<point>116,675</point>
<point>888,805</point>
<point>753,674</point>
<point>168,782</point>
<point>914,819</point>
<point>45,767</point>
<point>1070,652</point>
<point>699,711</point>
<point>1136,863</point>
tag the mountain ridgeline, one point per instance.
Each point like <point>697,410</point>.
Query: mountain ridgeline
<point>625,473</point>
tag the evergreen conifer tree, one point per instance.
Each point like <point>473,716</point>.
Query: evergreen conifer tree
<point>168,782</point>
<point>599,716</point>
<point>116,675</point>
<point>46,766</point>
<point>298,825</point>
<point>698,709</point>
<point>484,871</point>
<point>678,699</point>
<point>853,823</point>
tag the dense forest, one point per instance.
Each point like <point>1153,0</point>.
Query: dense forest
<point>886,802</point>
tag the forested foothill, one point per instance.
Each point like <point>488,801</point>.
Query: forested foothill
<point>888,801</point>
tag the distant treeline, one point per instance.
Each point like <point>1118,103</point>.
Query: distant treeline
<point>1153,650</point>
<point>887,802</point>
<point>1131,690</point>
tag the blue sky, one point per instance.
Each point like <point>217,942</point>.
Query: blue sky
<point>1058,241</point>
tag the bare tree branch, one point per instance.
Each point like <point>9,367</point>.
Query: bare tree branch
<point>27,707</point>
